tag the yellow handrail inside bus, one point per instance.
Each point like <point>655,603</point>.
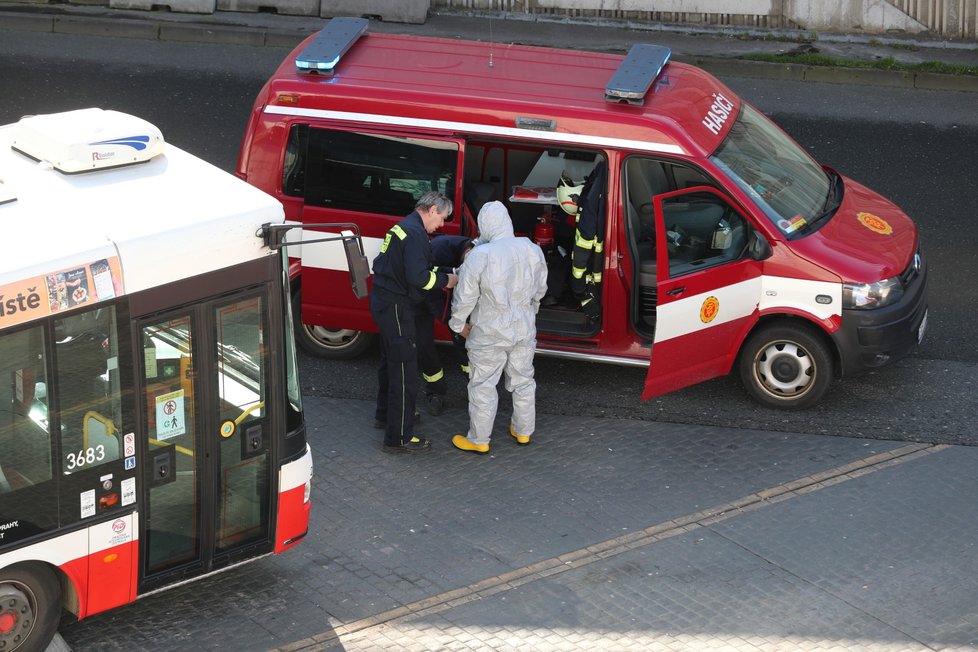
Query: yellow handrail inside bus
<point>179,449</point>
<point>256,406</point>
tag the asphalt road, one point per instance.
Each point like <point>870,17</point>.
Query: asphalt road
<point>915,147</point>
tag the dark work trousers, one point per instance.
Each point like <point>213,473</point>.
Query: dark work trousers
<point>397,319</point>
<point>428,359</point>
<point>440,306</point>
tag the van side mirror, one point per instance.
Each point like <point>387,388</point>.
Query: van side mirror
<point>758,248</point>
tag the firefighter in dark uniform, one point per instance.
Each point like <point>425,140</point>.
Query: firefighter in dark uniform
<point>404,274</point>
<point>448,252</point>
<point>587,257</point>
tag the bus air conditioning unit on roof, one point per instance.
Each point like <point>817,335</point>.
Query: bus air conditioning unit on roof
<point>87,139</point>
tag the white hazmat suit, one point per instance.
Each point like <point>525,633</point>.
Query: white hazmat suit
<point>499,289</point>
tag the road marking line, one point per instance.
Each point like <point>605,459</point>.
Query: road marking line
<point>611,547</point>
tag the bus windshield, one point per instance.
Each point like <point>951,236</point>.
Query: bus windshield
<point>785,182</point>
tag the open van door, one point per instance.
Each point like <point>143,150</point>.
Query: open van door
<point>708,287</point>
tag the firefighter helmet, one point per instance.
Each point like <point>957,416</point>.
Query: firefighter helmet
<point>569,194</point>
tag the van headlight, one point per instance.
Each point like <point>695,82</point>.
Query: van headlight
<point>867,296</point>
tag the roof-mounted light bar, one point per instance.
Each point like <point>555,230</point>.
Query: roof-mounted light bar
<point>324,52</point>
<point>640,68</point>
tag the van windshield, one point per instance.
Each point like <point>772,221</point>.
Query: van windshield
<point>782,179</point>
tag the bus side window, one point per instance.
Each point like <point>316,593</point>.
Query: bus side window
<point>25,440</point>
<point>88,394</point>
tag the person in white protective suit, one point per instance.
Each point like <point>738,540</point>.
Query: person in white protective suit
<point>499,289</point>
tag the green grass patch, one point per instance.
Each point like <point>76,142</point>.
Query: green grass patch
<point>886,63</point>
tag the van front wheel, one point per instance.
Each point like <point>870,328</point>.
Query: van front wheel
<point>786,366</point>
<point>326,342</point>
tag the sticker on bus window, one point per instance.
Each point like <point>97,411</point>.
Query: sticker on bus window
<point>128,491</point>
<point>170,420</point>
<point>87,503</point>
<point>61,289</point>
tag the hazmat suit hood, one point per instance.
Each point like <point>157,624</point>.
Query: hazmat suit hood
<point>500,284</point>
<point>494,222</point>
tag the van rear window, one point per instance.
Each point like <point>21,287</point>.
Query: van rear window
<point>371,173</point>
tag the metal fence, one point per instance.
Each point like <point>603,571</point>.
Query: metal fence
<point>948,18</point>
<point>953,19</point>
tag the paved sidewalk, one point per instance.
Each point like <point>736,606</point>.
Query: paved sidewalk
<point>719,51</point>
<point>601,535</point>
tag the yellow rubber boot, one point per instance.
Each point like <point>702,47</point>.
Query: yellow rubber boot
<point>462,443</point>
<point>522,440</point>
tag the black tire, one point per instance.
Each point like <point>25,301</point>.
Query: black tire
<point>325,342</point>
<point>30,607</point>
<point>786,366</point>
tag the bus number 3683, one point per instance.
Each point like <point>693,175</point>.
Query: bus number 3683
<point>86,456</point>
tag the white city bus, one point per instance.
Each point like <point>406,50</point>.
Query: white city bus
<point>151,429</point>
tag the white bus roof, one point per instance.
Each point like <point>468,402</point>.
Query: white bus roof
<point>172,217</point>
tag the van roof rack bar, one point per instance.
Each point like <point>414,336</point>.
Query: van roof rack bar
<point>638,70</point>
<point>324,52</point>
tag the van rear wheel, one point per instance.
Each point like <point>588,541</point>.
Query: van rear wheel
<point>30,607</point>
<point>786,366</point>
<point>327,342</point>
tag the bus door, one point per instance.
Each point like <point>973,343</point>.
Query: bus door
<point>207,438</point>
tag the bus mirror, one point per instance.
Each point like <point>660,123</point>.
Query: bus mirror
<point>358,265</point>
<point>273,235</point>
<point>758,248</point>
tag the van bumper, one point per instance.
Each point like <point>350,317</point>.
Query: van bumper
<point>869,339</point>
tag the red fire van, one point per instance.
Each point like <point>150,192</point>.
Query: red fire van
<point>725,244</point>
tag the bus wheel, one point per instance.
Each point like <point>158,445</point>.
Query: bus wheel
<point>786,366</point>
<point>326,342</point>
<point>30,607</point>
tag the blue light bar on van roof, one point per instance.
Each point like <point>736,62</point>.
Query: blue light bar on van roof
<point>324,52</point>
<point>638,70</point>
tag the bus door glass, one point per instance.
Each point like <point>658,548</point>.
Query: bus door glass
<point>208,435</point>
<point>173,445</point>
<point>243,480</point>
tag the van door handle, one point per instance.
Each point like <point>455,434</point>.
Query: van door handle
<point>675,291</point>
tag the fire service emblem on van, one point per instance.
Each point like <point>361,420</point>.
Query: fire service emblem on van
<point>875,224</point>
<point>709,310</point>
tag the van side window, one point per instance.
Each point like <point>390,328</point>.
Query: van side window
<point>368,173</point>
<point>645,178</point>
<point>702,231</point>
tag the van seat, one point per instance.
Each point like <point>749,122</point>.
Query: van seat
<point>477,193</point>
<point>640,223</point>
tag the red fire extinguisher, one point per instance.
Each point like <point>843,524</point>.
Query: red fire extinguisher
<point>543,234</point>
